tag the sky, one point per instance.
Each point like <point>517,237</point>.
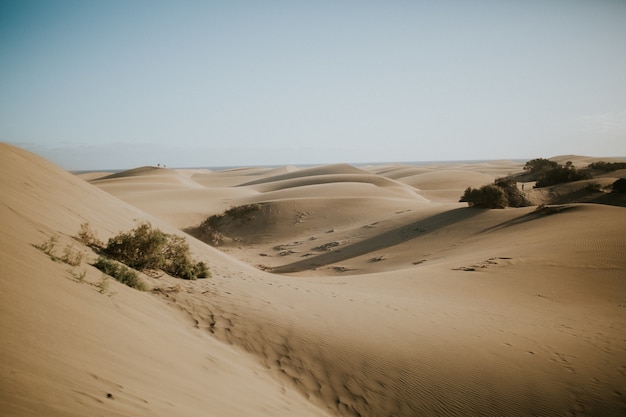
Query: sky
<point>116,84</point>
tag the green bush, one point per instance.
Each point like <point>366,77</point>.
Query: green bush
<point>72,257</point>
<point>539,166</point>
<point>141,248</point>
<point>242,214</point>
<point>547,172</point>
<point>488,196</point>
<point>147,248</point>
<point>561,174</point>
<point>515,198</point>
<point>88,237</point>
<point>210,230</point>
<point>120,272</point>
<point>607,166</point>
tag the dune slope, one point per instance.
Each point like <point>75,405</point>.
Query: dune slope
<point>68,348</point>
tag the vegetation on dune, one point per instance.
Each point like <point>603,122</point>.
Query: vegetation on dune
<point>562,174</point>
<point>607,166</point>
<point>503,193</point>
<point>147,248</point>
<point>515,197</point>
<point>70,255</point>
<point>619,186</point>
<point>488,196</point>
<point>88,237</point>
<point>546,172</point>
<point>210,230</point>
<point>120,272</point>
<point>140,249</point>
<point>539,166</point>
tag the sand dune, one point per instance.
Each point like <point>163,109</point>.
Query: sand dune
<point>66,346</point>
<point>336,169</point>
<point>377,305</point>
<point>450,179</point>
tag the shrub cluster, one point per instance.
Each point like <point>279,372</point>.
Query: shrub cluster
<point>546,172</point>
<point>539,166</point>
<point>499,195</point>
<point>607,166</point>
<point>488,196</point>
<point>241,213</point>
<point>515,198</point>
<point>120,272</point>
<point>209,230</point>
<point>619,186</point>
<point>147,248</point>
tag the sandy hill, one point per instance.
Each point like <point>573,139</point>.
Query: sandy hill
<point>379,305</point>
<point>68,350</point>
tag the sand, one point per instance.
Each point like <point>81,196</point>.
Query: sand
<point>357,291</point>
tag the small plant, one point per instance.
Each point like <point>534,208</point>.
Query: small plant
<point>48,246</point>
<point>103,284</point>
<point>546,210</point>
<point>120,272</point>
<point>72,257</point>
<point>88,237</point>
<point>80,276</point>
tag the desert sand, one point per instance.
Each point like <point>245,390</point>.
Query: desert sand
<point>345,291</point>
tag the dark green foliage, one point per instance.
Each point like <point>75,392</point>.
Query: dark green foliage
<point>593,187</point>
<point>141,248</point>
<point>488,196</point>
<point>547,172</point>
<point>177,262</point>
<point>546,210</point>
<point>539,166</point>
<point>211,229</point>
<point>561,174</point>
<point>147,248</point>
<point>499,195</point>
<point>120,272</point>
<point>514,196</point>
<point>607,166</point>
<point>241,213</point>
<point>619,186</point>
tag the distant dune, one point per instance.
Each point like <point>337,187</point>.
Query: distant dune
<point>340,291</point>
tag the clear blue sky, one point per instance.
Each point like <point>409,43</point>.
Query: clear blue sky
<point>118,84</point>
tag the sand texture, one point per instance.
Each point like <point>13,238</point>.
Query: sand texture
<point>339,290</point>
